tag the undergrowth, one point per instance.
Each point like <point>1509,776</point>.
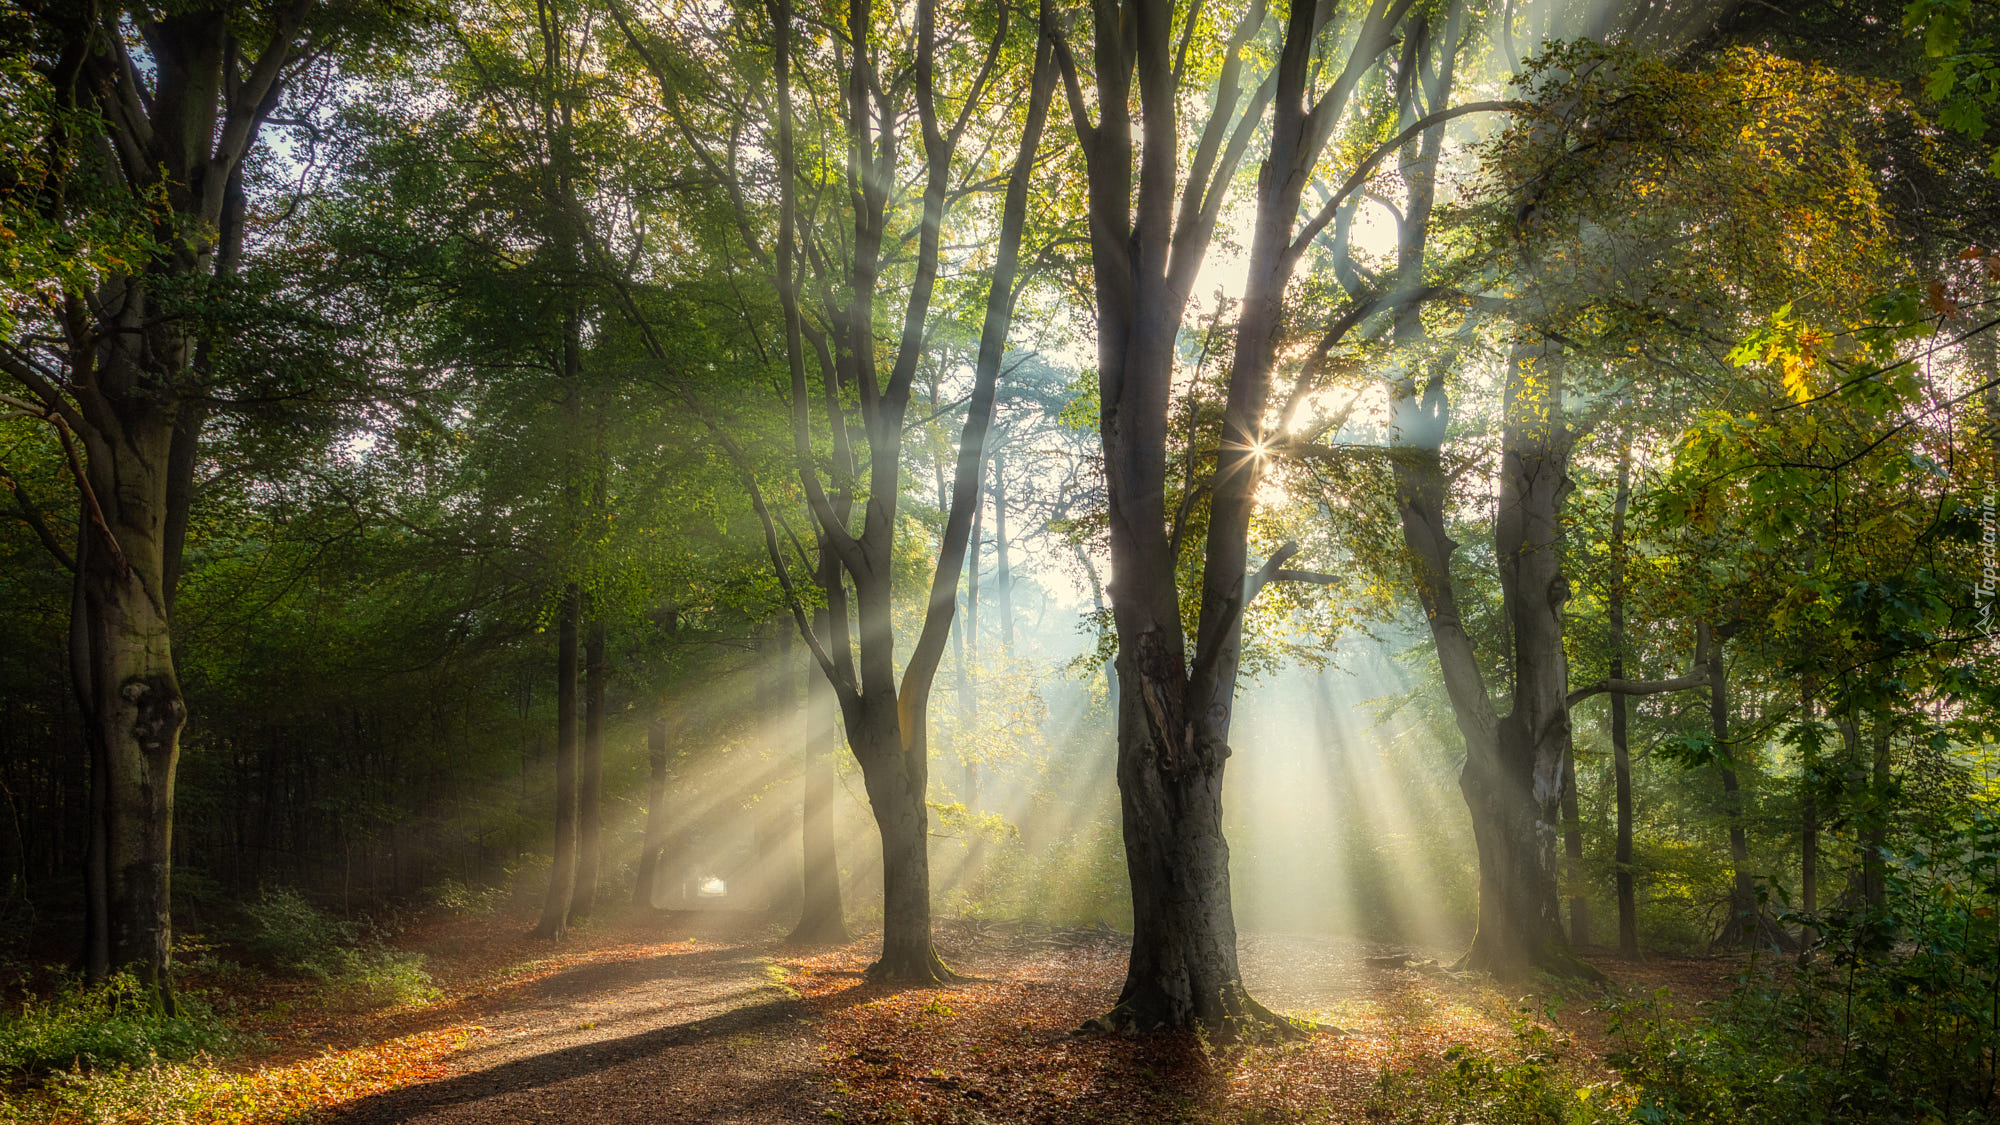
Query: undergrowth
<point>1525,1084</point>
<point>351,960</point>
<point>1892,1017</point>
<point>109,1025</point>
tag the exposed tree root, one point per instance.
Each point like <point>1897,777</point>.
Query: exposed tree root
<point>1513,963</point>
<point>1236,1018</point>
<point>819,931</point>
<point>921,968</point>
<point>1755,930</point>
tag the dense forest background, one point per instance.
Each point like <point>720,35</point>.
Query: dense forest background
<point>873,465</point>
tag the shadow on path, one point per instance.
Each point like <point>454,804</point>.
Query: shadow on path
<point>547,1069</point>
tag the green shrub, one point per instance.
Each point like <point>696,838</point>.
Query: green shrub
<point>110,1025</point>
<point>1522,1086</point>
<point>1889,1019</point>
<point>380,977</point>
<point>458,897</point>
<point>285,932</point>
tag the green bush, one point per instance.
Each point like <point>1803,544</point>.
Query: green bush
<point>1890,1018</point>
<point>458,897</point>
<point>113,1024</point>
<point>285,932</point>
<point>1522,1086</point>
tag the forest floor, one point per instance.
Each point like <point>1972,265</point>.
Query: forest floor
<point>710,1017</point>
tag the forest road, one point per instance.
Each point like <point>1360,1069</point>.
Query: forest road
<point>702,1036</point>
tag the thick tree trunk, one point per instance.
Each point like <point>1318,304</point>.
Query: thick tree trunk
<point>130,403</point>
<point>96,959</point>
<point>894,777</point>
<point>656,814</point>
<point>136,707</point>
<point>1524,778</point>
<point>1183,970</point>
<point>822,920</point>
<point>590,777</point>
<point>1512,779</point>
<point>562,867</point>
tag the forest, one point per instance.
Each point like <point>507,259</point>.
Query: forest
<point>974,561</point>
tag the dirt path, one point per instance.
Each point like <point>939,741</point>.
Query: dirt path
<point>710,1018</point>
<point>705,1033</point>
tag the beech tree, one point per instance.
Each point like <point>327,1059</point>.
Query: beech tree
<point>828,269</point>
<point>1591,305</point>
<point>154,116</point>
<point>1148,242</point>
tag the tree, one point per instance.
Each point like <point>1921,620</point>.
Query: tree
<point>831,325</point>
<point>1147,246</point>
<point>154,115</point>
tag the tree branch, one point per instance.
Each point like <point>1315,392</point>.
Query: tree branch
<point>33,518</point>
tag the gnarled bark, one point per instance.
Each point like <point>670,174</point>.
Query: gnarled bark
<point>1512,778</point>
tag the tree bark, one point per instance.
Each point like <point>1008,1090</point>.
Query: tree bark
<point>1520,791</point>
<point>1513,766</point>
<point>136,701</point>
<point>127,391</point>
<point>887,722</point>
<point>1875,825</point>
<point>1747,924</point>
<point>1808,803</point>
<point>656,814</point>
<point>96,881</point>
<point>562,867</point>
<point>1175,705</point>
<point>1621,753</point>
<point>590,776</point>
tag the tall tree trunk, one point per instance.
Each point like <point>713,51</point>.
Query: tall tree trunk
<point>130,398</point>
<point>565,241</point>
<point>1621,751</point>
<point>656,814</point>
<point>1518,796</point>
<point>562,867</point>
<point>135,707</point>
<point>1175,705</point>
<point>1513,764</point>
<point>590,776</point>
<point>96,881</point>
<point>1875,825</point>
<point>1746,924</point>
<point>975,547</point>
<point>966,640</point>
<point>1808,803</point>
<point>822,920</point>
